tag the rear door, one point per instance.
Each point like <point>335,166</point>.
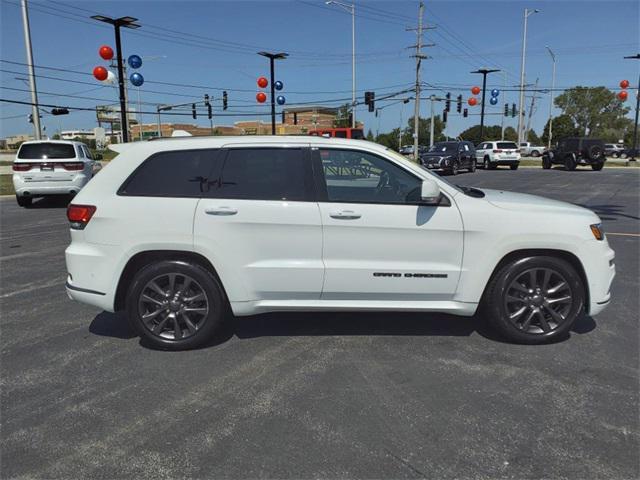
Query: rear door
<point>260,224</point>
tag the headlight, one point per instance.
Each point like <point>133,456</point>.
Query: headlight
<point>597,231</point>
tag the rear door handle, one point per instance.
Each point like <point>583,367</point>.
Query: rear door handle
<point>220,211</point>
<point>345,215</point>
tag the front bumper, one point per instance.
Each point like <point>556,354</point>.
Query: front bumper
<point>598,260</point>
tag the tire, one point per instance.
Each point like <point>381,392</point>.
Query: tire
<point>595,152</point>
<point>204,311</point>
<point>597,166</point>
<point>535,153</point>
<point>533,308</point>
<point>546,162</point>
<point>488,165</point>
<point>615,155</point>
<point>514,166</point>
<point>623,155</point>
<point>472,168</point>
<point>24,201</point>
<point>569,162</point>
<point>454,168</point>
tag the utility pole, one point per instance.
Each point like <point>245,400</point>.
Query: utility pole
<point>431,132</point>
<point>484,72</point>
<point>553,86</point>
<point>504,87</point>
<point>634,151</point>
<point>272,58</point>
<point>32,75</point>
<point>533,102</point>
<point>527,13</point>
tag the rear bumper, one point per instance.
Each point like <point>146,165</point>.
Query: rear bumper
<point>506,162</point>
<point>37,188</point>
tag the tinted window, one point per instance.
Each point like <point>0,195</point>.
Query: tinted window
<point>80,151</point>
<point>34,151</point>
<point>341,134</point>
<point>443,147</point>
<point>171,174</point>
<point>264,174</point>
<point>507,145</point>
<point>357,134</point>
<point>353,176</point>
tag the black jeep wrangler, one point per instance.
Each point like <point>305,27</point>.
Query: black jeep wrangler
<point>574,151</point>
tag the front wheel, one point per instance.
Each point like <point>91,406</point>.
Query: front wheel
<point>535,153</point>
<point>534,300</point>
<point>569,163</point>
<point>514,166</point>
<point>472,167</point>
<point>597,166</point>
<point>546,162</point>
<point>454,167</point>
<point>24,201</point>
<point>175,305</point>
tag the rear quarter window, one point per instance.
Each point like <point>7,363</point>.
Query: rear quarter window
<point>181,173</point>
<point>40,151</point>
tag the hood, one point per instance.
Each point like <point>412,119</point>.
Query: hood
<point>525,202</point>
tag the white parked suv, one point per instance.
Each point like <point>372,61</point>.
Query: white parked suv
<point>178,231</point>
<point>51,167</point>
<point>491,154</point>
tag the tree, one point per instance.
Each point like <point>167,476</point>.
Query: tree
<point>472,134</point>
<point>370,136</point>
<point>389,139</point>
<point>55,137</point>
<point>592,109</point>
<point>510,134</point>
<point>563,126</point>
<point>343,120</point>
<point>533,137</point>
<point>424,131</point>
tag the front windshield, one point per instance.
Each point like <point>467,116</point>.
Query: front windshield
<point>443,148</point>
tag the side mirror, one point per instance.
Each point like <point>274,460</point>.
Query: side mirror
<point>430,192</point>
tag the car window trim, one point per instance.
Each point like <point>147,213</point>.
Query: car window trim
<point>322,194</point>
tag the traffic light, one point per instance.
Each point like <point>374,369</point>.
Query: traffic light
<point>193,111</point>
<point>369,99</point>
<point>513,110</point>
<point>60,111</point>
<point>31,118</point>
<point>459,105</point>
<point>224,100</point>
<point>208,104</point>
<point>283,117</point>
<point>447,105</point>
<point>444,116</point>
<point>506,109</point>
<point>465,113</point>
<point>295,118</point>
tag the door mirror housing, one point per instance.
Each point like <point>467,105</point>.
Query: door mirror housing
<point>430,192</point>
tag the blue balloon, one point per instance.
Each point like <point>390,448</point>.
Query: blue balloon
<point>278,85</point>
<point>134,61</point>
<point>495,92</point>
<point>280,100</point>
<point>136,79</point>
<point>493,100</point>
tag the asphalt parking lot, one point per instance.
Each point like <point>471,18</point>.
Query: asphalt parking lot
<point>319,395</point>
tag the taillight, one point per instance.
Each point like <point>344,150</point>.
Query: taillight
<point>79,215</point>
<point>518,151</point>
<point>73,165</point>
<point>497,151</point>
<point>21,167</point>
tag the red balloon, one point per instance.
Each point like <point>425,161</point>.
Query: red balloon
<point>475,91</point>
<point>100,73</point>
<point>263,82</point>
<point>624,84</point>
<point>472,101</point>
<point>623,95</point>
<point>261,97</point>
<point>106,52</point>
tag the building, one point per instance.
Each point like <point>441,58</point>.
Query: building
<point>13,142</point>
<point>310,117</point>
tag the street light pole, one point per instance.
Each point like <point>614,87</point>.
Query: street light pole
<point>527,12</point>
<point>35,111</point>
<point>126,22</point>
<point>634,150</point>
<point>272,58</point>
<point>484,72</point>
<point>553,85</point>
<point>351,8</point>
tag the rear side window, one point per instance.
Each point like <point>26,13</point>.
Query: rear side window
<point>341,134</point>
<point>39,151</point>
<point>507,145</point>
<point>182,173</point>
<point>265,174</point>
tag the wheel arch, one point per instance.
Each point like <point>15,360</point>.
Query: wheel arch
<point>141,259</point>
<point>536,252</point>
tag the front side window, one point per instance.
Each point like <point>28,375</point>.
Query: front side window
<point>264,174</point>
<point>352,176</point>
<point>181,173</point>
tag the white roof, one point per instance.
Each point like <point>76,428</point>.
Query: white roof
<point>66,142</point>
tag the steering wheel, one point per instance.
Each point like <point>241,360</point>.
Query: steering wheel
<point>386,181</point>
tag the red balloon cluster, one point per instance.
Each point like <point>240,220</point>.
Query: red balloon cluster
<point>472,101</point>
<point>263,82</point>
<point>106,52</point>
<point>623,95</point>
<point>261,97</point>
<point>100,73</point>
<point>624,84</point>
<point>475,91</point>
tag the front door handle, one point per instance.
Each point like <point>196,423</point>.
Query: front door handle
<point>345,215</point>
<point>220,211</point>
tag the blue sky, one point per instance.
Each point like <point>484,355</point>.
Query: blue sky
<point>589,38</point>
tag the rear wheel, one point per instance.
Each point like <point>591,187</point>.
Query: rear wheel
<point>569,162</point>
<point>535,153</point>
<point>24,201</point>
<point>175,305</point>
<point>597,166</point>
<point>472,167</point>
<point>546,162</point>
<point>514,166</point>
<point>535,299</point>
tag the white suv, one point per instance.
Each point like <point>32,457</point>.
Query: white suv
<point>51,167</point>
<point>491,154</point>
<point>177,231</point>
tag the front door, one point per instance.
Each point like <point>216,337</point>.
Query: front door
<point>379,243</point>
